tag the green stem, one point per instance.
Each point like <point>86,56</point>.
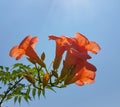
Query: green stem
<point>38,70</point>
<point>8,90</point>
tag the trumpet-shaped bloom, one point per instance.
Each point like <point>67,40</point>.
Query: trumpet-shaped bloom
<point>76,68</point>
<point>84,73</point>
<point>26,47</point>
<point>61,45</point>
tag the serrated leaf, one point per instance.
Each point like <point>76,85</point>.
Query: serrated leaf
<point>17,65</point>
<point>33,92</point>
<point>28,90</point>
<point>29,97</point>
<point>42,72</point>
<point>21,66</point>
<point>7,68</point>
<point>1,67</point>
<point>62,85</point>
<point>19,99</point>
<point>50,88</point>
<point>1,95</point>
<point>39,93</point>
<point>9,96</point>
<point>43,92</point>
<point>26,98</point>
<point>15,99</point>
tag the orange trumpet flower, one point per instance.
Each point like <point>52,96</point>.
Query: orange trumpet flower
<point>83,73</point>
<point>61,45</point>
<point>26,47</point>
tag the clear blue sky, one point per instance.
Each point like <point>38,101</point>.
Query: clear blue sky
<point>99,20</point>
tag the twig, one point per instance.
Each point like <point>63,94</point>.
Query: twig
<point>38,70</point>
<point>8,90</point>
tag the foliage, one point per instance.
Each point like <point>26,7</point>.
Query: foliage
<point>16,86</point>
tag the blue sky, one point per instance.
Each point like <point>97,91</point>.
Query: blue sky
<point>99,20</point>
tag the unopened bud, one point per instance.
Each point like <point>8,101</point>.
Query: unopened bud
<point>29,77</point>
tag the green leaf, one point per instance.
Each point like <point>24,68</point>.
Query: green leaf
<point>1,95</point>
<point>29,98</point>
<point>21,66</point>
<point>33,92</point>
<point>17,65</point>
<point>39,93</point>
<point>15,99</point>
<point>19,99</point>
<point>1,67</point>
<point>42,72</point>
<point>26,98</point>
<point>43,92</point>
<point>50,88</point>
<point>62,86</point>
<point>7,68</point>
<point>10,96</point>
<point>28,90</point>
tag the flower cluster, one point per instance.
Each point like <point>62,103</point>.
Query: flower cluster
<point>75,69</point>
<point>70,65</point>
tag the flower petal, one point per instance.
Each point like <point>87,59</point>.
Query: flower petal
<point>89,66</point>
<point>52,37</point>
<point>86,77</point>
<point>25,42</point>
<point>82,40</point>
<point>33,41</point>
<point>79,82</point>
<point>81,55</point>
<point>16,52</point>
<point>93,47</point>
<point>60,41</point>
